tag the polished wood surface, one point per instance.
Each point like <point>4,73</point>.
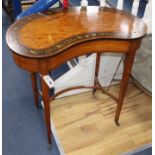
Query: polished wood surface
<point>84,122</point>
<point>98,46</point>
<point>51,32</point>
<point>41,42</point>
<point>45,96</point>
<point>35,88</point>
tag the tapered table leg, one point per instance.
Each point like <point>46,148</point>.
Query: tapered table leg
<point>35,88</point>
<point>45,91</point>
<point>129,59</point>
<point>98,57</point>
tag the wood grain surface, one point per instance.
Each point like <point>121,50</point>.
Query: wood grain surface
<point>51,31</point>
<point>85,122</point>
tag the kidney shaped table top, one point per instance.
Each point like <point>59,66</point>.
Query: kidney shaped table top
<point>48,33</point>
<point>43,41</point>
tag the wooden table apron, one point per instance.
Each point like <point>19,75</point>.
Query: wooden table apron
<point>45,62</point>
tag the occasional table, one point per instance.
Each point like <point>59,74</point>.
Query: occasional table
<point>41,42</point>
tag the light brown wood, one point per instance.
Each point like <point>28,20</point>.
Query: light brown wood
<point>49,33</point>
<point>84,122</point>
<point>44,31</point>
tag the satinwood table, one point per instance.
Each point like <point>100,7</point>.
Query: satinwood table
<point>43,41</point>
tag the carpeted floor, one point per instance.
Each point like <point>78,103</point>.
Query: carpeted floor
<point>24,132</point>
<point>144,150</point>
<point>147,151</point>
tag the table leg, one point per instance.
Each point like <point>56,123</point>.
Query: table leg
<point>45,91</point>
<point>35,88</point>
<point>129,59</point>
<point>98,57</point>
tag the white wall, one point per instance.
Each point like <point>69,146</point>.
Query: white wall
<point>83,73</point>
<point>148,16</point>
